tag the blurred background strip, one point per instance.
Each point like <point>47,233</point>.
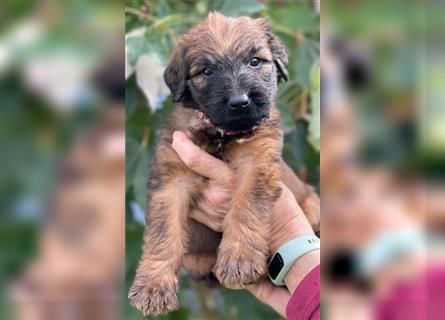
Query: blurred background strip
<point>382,160</point>
<point>62,140</point>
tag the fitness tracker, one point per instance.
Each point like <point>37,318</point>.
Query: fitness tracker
<point>285,256</point>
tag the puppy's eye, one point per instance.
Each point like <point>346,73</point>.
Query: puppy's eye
<point>207,71</point>
<point>255,62</point>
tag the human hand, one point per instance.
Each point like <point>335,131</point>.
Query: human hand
<point>287,218</point>
<point>215,200</point>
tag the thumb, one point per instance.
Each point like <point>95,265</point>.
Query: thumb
<point>200,161</point>
<point>266,292</point>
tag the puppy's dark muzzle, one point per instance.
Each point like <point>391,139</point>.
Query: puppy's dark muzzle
<point>240,101</point>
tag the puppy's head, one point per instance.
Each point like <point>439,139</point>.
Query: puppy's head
<point>228,68</point>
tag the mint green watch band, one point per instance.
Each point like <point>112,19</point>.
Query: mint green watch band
<point>286,255</point>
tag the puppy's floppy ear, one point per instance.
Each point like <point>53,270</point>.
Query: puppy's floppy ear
<point>277,48</point>
<point>279,55</point>
<point>175,75</point>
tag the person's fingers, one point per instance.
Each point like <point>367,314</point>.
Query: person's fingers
<point>209,218</point>
<point>200,161</point>
<point>216,196</point>
<point>266,292</point>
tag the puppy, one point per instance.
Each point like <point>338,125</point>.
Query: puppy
<point>223,76</point>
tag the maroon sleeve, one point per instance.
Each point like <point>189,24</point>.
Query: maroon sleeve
<point>419,298</point>
<point>305,301</point>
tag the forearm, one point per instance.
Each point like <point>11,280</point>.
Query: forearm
<point>301,268</point>
<point>303,282</point>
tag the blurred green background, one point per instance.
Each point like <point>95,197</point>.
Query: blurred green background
<point>49,52</point>
<point>152,29</point>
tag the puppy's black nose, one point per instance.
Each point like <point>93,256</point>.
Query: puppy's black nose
<point>239,101</point>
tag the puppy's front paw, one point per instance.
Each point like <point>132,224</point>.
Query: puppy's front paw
<point>237,267</point>
<point>155,297</point>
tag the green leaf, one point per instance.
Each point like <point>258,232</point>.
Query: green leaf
<point>134,48</point>
<point>314,119</point>
<point>307,53</point>
<point>162,8</point>
<point>236,8</point>
<point>302,18</point>
<point>315,76</point>
<point>286,117</point>
<point>295,147</point>
<point>133,155</point>
<point>201,7</point>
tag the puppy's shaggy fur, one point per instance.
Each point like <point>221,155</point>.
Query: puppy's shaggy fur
<point>218,60</point>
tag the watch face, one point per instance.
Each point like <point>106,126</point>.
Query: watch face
<point>275,265</point>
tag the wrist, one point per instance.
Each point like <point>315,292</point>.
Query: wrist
<point>301,268</point>
<point>281,237</point>
<point>284,258</point>
<point>287,233</point>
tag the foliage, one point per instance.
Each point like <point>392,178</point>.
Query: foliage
<point>152,29</point>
